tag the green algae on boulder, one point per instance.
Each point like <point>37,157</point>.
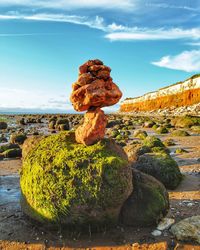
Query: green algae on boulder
<point>147,204</point>
<point>152,141</point>
<point>12,153</point>
<point>162,167</point>
<point>186,121</point>
<point>63,182</point>
<point>141,134</point>
<point>179,133</point>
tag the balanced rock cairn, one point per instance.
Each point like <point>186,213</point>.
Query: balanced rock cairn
<point>93,90</point>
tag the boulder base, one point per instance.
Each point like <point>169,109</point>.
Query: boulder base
<point>63,182</point>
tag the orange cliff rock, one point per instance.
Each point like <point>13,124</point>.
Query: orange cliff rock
<point>177,95</point>
<point>93,90</point>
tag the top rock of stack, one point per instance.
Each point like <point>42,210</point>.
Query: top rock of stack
<point>94,87</point>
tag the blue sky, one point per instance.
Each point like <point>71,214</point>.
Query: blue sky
<point>148,45</point>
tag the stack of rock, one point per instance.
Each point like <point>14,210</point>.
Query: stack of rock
<point>93,90</point>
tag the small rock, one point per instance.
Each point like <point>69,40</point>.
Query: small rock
<point>187,229</point>
<point>165,223</point>
<point>156,233</point>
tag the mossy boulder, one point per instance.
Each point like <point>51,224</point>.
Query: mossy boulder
<point>18,138</point>
<point>3,139</point>
<point>195,129</point>
<point>179,133</point>
<point>140,134</point>
<point>147,204</point>
<point>21,121</point>
<point>169,142</point>
<point>52,124</point>
<point>134,150</point>
<point>152,141</point>
<point>162,167</point>
<point>149,124</point>
<point>63,182</point>
<point>162,130</point>
<point>62,124</point>
<point>3,148</point>
<point>12,153</point>
<point>186,121</point>
<point>3,125</point>
<point>160,150</point>
<point>180,151</point>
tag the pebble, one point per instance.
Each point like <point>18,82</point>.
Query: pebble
<point>156,233</point>
<point>165,223</point>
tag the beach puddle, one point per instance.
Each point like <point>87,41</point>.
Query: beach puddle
<point>9,189</point>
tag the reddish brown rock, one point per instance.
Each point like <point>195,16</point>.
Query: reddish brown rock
<point>93,128</point>
<point>97,94</point>
<point>84,79</point>
<point>93,90</point>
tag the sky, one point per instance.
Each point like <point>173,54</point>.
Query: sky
<point>148,44</point>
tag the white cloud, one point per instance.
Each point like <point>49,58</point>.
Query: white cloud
<point>115,32</point>
<point>194,44</point>
<point>26,99</point>
<point>72,4</point>
<point>154,34</point>
<point>188,61</point>
<point>97,22</point>
<point>171,6</point>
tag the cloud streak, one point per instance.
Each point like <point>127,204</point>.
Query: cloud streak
<point>72,4</point>
<point>114,32</point>
<point>131,34</point>
<point>188,61</point>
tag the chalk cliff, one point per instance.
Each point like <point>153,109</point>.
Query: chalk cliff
<point>181,94</point>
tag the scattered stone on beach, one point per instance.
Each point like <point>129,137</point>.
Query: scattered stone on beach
<point>93,90</point>
<point>18,138</point>
<point>165,223</point>
<point>3,125</point>
<point>187,229</point>
<point>156,233</point>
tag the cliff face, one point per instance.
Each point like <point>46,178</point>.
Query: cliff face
<point>181,94</point>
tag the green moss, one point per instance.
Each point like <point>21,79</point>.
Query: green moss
<point>162,167</point>
<point>169,142</point>
<point>160,150</point>
<point>140,134</point>
<point>162,130</point>
<point>196,129</point>
<point>155,126</point>
<point>69,183</point>
<point>187,121</point>
<point>12,153</point>
<point>179,133</point>
<point>180,151</point>
<point>8,146</point>
<point>152,141</point>
<point>148,202</point>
